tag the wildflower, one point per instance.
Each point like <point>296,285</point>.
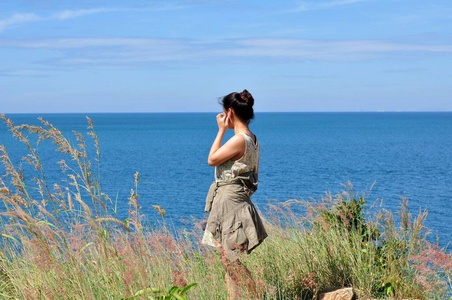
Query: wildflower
<point>178,278</point>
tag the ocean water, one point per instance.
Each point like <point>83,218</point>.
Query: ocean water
<point>303,155</point>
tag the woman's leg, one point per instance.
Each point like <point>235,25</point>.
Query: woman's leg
<point>232,287</point>
<point>244,278</point>
<point>237,275</point>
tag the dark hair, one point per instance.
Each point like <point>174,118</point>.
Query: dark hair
<point>242,104</point>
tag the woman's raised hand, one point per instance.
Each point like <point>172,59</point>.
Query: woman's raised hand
<point>222,121</point>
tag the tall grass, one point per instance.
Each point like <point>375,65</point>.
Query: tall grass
<point>63,240</point>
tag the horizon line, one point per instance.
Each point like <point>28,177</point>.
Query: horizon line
<point>208,112</point>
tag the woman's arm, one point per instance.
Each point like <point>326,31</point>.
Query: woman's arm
<point>234,147</point>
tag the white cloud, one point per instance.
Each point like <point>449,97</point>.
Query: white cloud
<point>73,43</point>
<point>17,19</point>
<point>305,6</point>
<point>24,72</point>
<point>334,48</point>
<point>63,15</point>
<point>69,14</point>
<point>111,52</point>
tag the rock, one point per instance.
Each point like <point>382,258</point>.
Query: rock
<point>341,294</point>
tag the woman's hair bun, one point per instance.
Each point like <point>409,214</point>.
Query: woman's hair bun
<point>247,97</point>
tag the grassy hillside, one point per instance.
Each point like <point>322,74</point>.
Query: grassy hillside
<point>62,240</point>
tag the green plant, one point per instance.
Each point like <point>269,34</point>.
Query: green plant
<point>175,292</point>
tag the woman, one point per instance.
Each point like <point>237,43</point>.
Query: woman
<point>234,226</point>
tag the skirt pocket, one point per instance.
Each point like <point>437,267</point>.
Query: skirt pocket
<point>236,237</point>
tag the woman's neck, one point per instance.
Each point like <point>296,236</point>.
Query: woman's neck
<point>241,127</point>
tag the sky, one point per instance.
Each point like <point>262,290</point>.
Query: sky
<point>182,55</point>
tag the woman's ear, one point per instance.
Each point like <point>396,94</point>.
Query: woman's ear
<point>231,117</point>
<point>230,112</point>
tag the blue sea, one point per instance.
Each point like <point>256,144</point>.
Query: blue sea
<point>303,156</point>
